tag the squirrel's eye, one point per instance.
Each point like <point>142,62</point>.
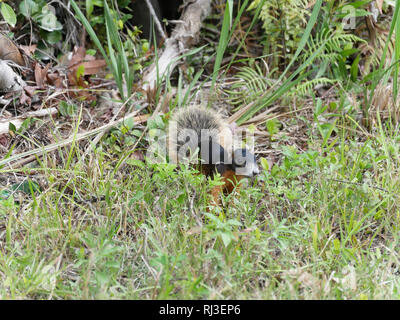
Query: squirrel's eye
<point>240,157</point>
<point>240,161</point>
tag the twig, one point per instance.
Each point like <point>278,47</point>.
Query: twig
<point>157,21</point>
<point>183,37</point>
<point>17,121</point>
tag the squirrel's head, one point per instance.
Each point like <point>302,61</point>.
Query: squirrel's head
<point>242,161</point>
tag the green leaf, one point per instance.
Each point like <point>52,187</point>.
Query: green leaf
<point>91,52</point>
<point>80,71</point>
<point>272,126</point>
<point>49,22</point>
<point>181,199</point>
<point>129,123</point>
<point>67,109</point>
<point>319,108</point>
<point>8,14</point>
<point>28,8</point>
<point>336,245</point>
<point>264,164</point>
<point>354,68</point>
<point>140,164</point>
<point>12,127</point>
<point>113,265</point>
<point>4,194</point>
<point>326,130</point>
<point>27,187</point>
<point>223,40</point>
<point>51,37</point>
<point>89,8</point>
<point>102,277</point>
<point>226,238</point>
<point>26,124</point>
<point>145,46</point>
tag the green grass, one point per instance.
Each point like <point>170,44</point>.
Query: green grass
<point>322,224</point>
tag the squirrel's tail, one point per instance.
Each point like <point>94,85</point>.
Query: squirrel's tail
<point>193,124</point>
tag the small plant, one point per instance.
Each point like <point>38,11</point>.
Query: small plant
<point>8,14</point>
<point>114,54</point>
<point>283,23</point>
<point>43,15</point>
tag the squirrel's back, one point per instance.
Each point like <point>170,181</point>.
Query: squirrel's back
<point>198,121</point>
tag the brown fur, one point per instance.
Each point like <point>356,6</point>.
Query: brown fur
<point>231,180</point>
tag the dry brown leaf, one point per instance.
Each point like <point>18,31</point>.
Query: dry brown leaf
<point>194,230</point>
<point>29,50</point>
<point>40,74</point>
<point>137,155</point>
<point>30,90</point>
<point>9,51</point>
<point>4,140</point>
<point>77,57</point>
<point>24,98</point>
<point>247,230</point>
<point>92,67</point>
<point>55,79</point>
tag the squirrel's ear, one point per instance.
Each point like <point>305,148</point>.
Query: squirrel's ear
<point>234,127</point>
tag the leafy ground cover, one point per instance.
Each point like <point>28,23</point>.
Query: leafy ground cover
<point>97,220</point>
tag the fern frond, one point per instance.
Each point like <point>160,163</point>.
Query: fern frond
<point>333,42</point>
<point>282,21</point>
<point>306,87</point>
<point>250,83</point>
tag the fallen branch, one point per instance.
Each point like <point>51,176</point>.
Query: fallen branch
<point>183,37</point>
<point>17,121</point>
<point>155,18</point>
<point>32,153</point>
<point>9,80</point>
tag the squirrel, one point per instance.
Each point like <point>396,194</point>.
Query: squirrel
<point>199,135</point>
